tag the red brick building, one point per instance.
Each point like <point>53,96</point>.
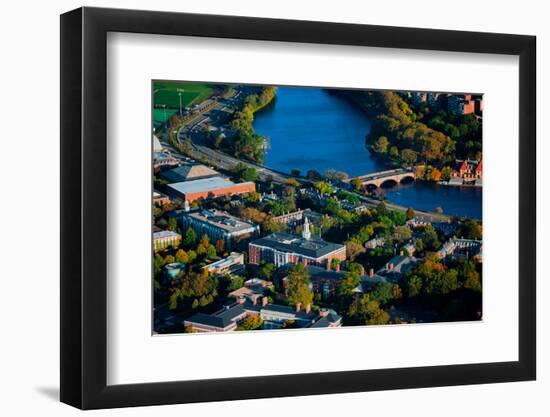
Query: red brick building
<point>468,169</point>
<point>209,188</point>
<point>283,248</point>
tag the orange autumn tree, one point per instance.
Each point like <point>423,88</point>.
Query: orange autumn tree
<point>436,175</point>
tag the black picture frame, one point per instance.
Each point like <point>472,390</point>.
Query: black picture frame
<point>84,207</point>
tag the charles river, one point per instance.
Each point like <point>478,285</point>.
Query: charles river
<point>312,129</point>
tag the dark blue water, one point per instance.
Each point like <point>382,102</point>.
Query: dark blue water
<point>457,201</point>
<point>309,128</point>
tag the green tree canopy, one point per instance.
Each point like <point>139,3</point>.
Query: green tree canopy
<point>381,145</point>
<point>324,188</point>
<point>246,173</point>
<point>266,271</point>
<point>190,237</point>
<point>367,311</point>
<point>298,291</point>
<point>383,292</point>
<point>348,284</point>
<point>253,322</point>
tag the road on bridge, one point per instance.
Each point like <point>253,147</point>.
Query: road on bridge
<point>383,174</point>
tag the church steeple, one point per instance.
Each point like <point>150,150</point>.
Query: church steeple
<point>306,234</point>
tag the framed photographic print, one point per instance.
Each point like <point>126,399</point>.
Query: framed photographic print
<point>293,207</point>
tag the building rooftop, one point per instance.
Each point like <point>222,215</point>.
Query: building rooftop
<point>314,247</point>
<point>320,273</point>
<point>221,318</point>
<point>232,259</point>
<point>402,263</point>
<point>203,185</point>
<point>174,265</point>
<point>209,320</point>
<point>189,173</point>
<point>279,308</point>
<point>164,234</point>
<point>446,228</point>
<point>468,163</point>
<point>230,312</point>
<point>234,311</point>
<point>220,219</point>
<point>161,155</point>
<point>257,282</point>
<point>290,310</point>
<point>241,292</point>
<point>254,286</point>
<point>157,147</point>
<point>325,321</point>
<point>367,282</point>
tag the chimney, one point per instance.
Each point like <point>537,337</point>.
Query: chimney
<point>400,253</point>
<point>387,267</point>
<point>298,307</point>
<point>241,300</point>
<point>328,264</point>
<point>254,299</point>
<point>391,267</point>
<point>308,308</point>
<point>264,301</point>
<point>323,312</point>
<point>371,272</point>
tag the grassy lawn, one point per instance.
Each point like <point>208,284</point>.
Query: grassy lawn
<point>167,93</point>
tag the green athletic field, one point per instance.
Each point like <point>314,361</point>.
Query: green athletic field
<point>167,93</point>
<point>158,116</point>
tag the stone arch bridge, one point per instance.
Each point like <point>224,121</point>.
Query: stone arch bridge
<point>389,177</point>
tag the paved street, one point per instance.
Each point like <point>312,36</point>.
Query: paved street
<point>226,162</point>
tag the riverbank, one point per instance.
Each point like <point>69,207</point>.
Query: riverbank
<point>461,184</point>
<point>246,143</point>
<point>269,102</point>
<point>314,129</point>
<point>404,134</point>
<point>270,95</point>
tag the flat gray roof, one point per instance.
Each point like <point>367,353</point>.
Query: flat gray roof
<point>203,185</point>
<point>285,242</point>
<point>189,172</point>
<point>221,219</point>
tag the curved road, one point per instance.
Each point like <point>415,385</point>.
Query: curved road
<point>227,162</point>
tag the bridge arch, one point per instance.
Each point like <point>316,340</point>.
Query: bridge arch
<point>387,178</point>
<point>407,179</point>
<point>389,182</point>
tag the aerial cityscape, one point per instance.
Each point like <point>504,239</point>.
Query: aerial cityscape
<point>303,207</point>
